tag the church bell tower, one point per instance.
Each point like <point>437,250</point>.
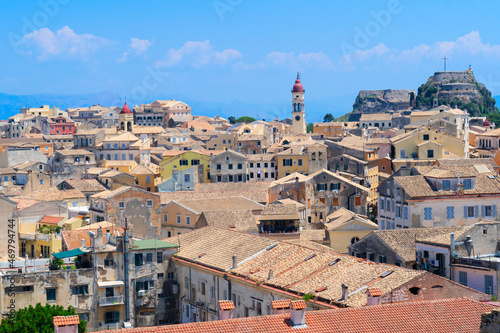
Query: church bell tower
<point>298,113</point>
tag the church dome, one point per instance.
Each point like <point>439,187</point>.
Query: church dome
<point>125,109</point>
<point>486,123</point>
<point>297,87</point>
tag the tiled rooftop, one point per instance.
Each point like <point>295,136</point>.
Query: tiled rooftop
<point>66,320</point>
<point>440,316</point>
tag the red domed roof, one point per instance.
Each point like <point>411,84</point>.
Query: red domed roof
<point>125,109</point>
<point>486,123</point>
<point>297,87</point>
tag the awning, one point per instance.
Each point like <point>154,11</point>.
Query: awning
<point>105,284</point>
<point>70,253</point>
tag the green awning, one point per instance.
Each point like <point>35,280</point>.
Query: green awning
<point>70,253</point>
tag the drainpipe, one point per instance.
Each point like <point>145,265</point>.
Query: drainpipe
<point>125,273</point>
<point>229,295</point>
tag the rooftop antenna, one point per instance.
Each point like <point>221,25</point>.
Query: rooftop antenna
<point>444,59</point>
<point>298,75</point>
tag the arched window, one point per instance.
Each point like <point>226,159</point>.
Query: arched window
<point>122,126</point>
<point>354,240</point>
<point>294,106</point>
<point>300,106</point>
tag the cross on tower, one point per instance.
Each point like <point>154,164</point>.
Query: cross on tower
<point>444,59</point>
<point>298,75</point>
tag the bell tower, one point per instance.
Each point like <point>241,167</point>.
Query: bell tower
<point>298,111</point>
<point>126,119</point>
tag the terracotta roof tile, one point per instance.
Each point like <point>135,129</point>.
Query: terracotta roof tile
<point>226,305</point>
<point>281,304</point>
<point>298,305</point>
<point>374,292</point>
<point>66,320</point>
<point>51,219</point>
<point>439,316</point>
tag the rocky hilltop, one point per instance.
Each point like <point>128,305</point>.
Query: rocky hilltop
<point>375,101</point>
<point>460,89</point>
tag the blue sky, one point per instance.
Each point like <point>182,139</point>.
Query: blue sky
<point>241,53</point>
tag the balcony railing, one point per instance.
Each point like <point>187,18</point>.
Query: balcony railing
<point>483,263</point>
<point>110,300</point>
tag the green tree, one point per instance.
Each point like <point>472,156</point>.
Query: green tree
<point>37,319</point>
<point>309,127</point>
<point>232,120</point>
<point>328,118</point>
<point>245,119</point>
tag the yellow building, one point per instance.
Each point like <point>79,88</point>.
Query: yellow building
<point>178,160</point>
<point>37,244</point>
<point>328,129</point>
<point>147,176</point>
<point>345,228</point>
<point>123,166</point>
<point>305,159</point>
<point>427,144</point>
<point>372,178</point>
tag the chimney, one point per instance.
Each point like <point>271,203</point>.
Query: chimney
<point>345,291</point>
<point>83,242</point>
<point>452,241</point>
<point>235,262</point>
<point>374,296</point>
<point>280,306</point>
<point>468,245</point>
<point>225,309</point>
<point>298,314</point>
<point>99,243</point>
<point>270,274</point>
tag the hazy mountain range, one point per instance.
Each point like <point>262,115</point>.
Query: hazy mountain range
<point>316,109</point>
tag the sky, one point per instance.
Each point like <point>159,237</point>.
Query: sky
<point>243,54</point>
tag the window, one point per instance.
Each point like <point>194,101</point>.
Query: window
<point>240,166</point>
<point>426,137</point>
<point>80,290</point>
<point>219,178</point>
<point>121,204</point>
<point>462,278</point>
<point>402,153</point>
<point>108,262</point>
<point>148,179</point>
<point>427,213</point>
<point>202,288</point>
<point>265,165</point>
<point>195,162</point>
<point>430,153</point>
<point>488,285</point>
<point>186,282</point>
<point>467,184</point>
<point>321,187</point>
<point>230,178</point>
<point>346,167</point>
<point>187,178</point>
<point>230,166</point>
<point>150,203</point>
<point>471,211</point>
<point>165,218</point>
<point>188,219</point>
<point>178,218</point>
<point>111,317</point>
<point>251,165</point>
<point>41,181</point>
<point>171,275</point>
<point>405,213</point>
<point>287,162</point>
<point>160,276</point>
<point>354,240</point>
<point>382,204</point>
<point>183,162</point>
<point>138,259</point>
<point>240,178</point>
<point>159,257</point>
<point>299,162</point>
<point>219,166</point>
<point>446,185</point>
<point>450,212</point>
<point>398,211</point>
<point>382,259</point>
<point>259,308</point>
<point>382,225</point>
<point>489,211</point>
<point>51,294</point>
<point>149,257</point>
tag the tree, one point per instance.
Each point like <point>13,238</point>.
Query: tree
<point>37,319</point>
<point>232,120</point>
<point>328,118</point>
<point>245,119</point>
<point>310,127</point>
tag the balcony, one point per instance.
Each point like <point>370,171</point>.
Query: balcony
<point>485,263</point>
<point>110,300</point>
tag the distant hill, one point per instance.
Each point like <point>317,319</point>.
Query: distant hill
<point>10,104</point>
<point>379,101</point>
<point>460,89</point>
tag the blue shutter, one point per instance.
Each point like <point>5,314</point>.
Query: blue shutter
<point>452,212</point>
<point>476,211</point>
<point>494,210</point>
<point>465,212</point>
<point>483,212</point>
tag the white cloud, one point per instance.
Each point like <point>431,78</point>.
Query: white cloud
<point>198,54</point>
<point>64,43</point>
<point>137,47</point>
